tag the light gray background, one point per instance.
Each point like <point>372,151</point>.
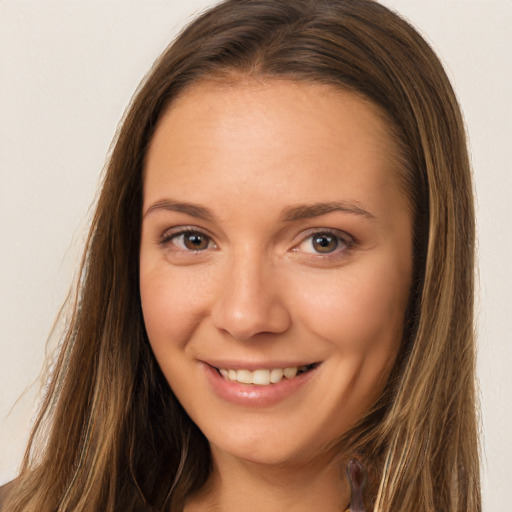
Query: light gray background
<point>67,71</point>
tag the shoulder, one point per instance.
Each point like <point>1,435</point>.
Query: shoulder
<point>4,492</point>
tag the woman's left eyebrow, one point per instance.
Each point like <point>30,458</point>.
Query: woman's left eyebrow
<point>307,211</point>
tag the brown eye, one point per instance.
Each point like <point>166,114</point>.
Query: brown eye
<point>190,241</point>
<point>328,243</point>
<point>194,241</point>
<point>324,243</point>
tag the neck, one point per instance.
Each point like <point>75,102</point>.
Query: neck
<point>236,485</point>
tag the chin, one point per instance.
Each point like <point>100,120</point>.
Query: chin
<point>269,446</point>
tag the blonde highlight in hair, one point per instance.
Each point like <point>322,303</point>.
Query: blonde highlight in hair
<point>112,436</point>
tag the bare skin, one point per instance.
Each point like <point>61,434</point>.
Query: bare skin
<point>275,236</point>
<point>272,488</point>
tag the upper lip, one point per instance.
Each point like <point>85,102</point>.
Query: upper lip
<point>257,365</point>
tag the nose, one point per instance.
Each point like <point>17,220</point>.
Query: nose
<point>250,301</point>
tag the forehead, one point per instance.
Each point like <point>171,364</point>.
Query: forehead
<point>217,102</point>
<point>271,137</point>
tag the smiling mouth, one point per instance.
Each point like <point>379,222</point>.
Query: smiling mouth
<point>264,376</point>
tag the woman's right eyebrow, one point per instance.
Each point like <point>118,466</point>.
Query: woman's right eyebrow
<point>194,210</point>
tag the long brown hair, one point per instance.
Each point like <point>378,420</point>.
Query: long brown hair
<point>111,435</point>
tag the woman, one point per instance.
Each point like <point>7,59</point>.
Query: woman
<point>278,280</point>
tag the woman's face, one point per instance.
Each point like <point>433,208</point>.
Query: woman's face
<point>275,263</point>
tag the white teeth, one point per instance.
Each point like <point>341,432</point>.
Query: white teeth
<point>244,376</point>
<point>276,374</point>
<point>262,377</point>
<point>289,373</point>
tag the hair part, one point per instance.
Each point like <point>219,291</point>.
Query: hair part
<point>126,442</point>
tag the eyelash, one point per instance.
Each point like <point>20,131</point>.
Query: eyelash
<point>342,238</point>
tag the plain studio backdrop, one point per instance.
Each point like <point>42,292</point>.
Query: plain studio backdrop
<point>68,70</point>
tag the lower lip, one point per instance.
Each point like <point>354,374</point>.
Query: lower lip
<point>252,395</point>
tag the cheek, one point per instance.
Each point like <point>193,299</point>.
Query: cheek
<point>358,310</point>
<point>170,308</point>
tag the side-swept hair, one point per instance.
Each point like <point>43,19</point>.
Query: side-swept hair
<point>111,435</point>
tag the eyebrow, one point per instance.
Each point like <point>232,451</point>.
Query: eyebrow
<point>289,214</point>
<point>194,210</point>
<point>308,211</point>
